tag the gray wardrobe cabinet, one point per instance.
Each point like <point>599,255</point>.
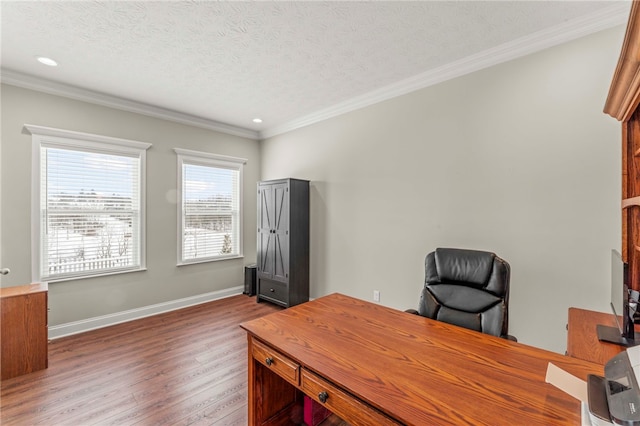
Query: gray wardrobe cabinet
<point>283,242</point>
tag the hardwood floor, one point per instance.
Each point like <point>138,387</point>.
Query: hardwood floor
<point>186,367</point>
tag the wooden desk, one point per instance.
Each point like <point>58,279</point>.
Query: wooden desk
<point>377,365</point>
<point>582,338</point>
<point>23,329</point>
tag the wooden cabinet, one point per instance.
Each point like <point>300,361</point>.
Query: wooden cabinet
<point>582,337</point>
<point>622,104</point>
<point>23,329</point>
<point>283,241</point>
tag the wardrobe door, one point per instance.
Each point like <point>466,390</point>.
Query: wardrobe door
<point>266,238</point>
<point>281,232</point>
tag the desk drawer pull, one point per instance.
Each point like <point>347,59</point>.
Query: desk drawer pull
<point>323,396</point>
<point>269,361</point>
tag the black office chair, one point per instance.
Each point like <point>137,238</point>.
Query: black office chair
<point>468,288</point>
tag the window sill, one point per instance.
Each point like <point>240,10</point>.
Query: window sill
<point>217,259</point>
<point>86,277</point>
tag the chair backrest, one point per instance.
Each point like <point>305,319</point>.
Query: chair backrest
<point>469,288</point>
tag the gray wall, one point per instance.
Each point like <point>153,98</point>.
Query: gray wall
<point>163,281</point>
<point>518,159</point>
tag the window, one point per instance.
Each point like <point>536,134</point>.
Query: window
<point>88,204</point>
<point>210,207</point>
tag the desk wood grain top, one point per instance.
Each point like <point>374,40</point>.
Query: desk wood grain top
<point>420,371</point>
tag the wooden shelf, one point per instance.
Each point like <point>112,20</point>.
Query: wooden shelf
<point>622,103</point>
<point>630,202</point>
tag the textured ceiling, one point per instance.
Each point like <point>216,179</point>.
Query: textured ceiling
<point>228,62</point>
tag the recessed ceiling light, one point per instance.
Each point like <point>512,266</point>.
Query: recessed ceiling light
<point>257,120</point>
<point>47,61</point>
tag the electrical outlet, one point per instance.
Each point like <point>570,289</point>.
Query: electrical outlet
<point>376,296</point>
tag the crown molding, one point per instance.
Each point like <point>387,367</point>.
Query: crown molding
<point>609,17</point>
<point>26,81</point>
<point>570,30</point>
<point>624,92</point>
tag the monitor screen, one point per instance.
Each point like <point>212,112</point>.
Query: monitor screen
<point>623,303</point>
<point>617,282</point>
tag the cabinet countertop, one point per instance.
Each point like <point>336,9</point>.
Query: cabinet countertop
<point>23,289</point>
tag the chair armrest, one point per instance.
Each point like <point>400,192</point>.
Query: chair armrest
<point>412,311</point>
<point>510,337</point>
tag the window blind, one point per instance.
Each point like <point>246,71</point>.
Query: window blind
<point>90,211</point>
<point>210,200</point>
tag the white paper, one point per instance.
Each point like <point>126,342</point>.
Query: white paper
<point>566,382</point>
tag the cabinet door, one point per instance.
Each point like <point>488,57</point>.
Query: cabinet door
<point>23,326</point>
<point>266,238</point>
<point>281,232</point>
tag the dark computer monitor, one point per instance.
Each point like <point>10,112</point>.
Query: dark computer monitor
<point>624,302</point>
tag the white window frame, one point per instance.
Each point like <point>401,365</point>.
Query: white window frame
<point>208,160</point>
<point>59,138</point>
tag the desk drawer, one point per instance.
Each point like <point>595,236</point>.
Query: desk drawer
<point>279,363</point>
<point>349,408</point>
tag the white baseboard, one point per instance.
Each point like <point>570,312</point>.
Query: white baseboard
<point>68,329</point>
